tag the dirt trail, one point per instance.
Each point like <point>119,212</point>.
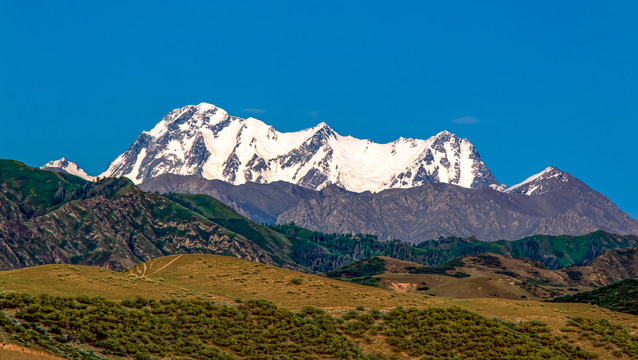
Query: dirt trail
<point>163,267</point>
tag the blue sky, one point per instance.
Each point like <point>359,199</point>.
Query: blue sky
<point>530,84</point>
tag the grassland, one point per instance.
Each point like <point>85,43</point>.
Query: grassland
<point>226,276</point>
<point>232,281</point>
<point>78,280</point>
<point>474,276</point>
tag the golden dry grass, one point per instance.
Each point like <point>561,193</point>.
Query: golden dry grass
<point>71,281</point>
<point>484,281</point>
<point>241,279</point>
<point>224,279</point>
<point>15,352</point>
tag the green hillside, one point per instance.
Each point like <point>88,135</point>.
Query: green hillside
<point>324,252</point>
<point>46,217</point>
<point>223,215</point>
<point>620,296</point>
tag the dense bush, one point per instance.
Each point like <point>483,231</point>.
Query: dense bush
<point>454,333</point>
<point>361,268</point>
<point>190,329</point>
<point>606,334</point>
<point>619,296</point>
<point>173,328</point>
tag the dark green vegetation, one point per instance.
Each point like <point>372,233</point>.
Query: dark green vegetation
<point>620,296</point>
<point>607,335</point>
<point>171,328</point>
<point>324,252</point>
<point>553,251</point>
<point>459,334</point>
<point>361,268</point>
<point>28,193</point>
<point>443,269</point>
<point>89,328</point>
<point>363,271</point>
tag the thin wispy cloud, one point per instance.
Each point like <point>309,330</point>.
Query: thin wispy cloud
<point>254,111</point>
<point>465,120</point>
<point>313,114</point>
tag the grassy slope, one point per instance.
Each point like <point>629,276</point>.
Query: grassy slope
<point>553,251</point>
<point>74,280</point>
<point>483,276</point>
<point>212,209</point>
<point>33,191</point>
<point>227,276</point>
<point>221,278</point>
<point>620,296</point>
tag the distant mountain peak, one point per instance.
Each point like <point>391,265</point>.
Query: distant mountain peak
<point>445,133</point>
<point>66,166</point>
<point>205,140</point>
<point>539,183</point>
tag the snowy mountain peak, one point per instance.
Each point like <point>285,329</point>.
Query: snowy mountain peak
<point>69,167</point>
<point>205,140</point>
<point>539,183</point>
<point>444,134</point>
<point>204,106</point>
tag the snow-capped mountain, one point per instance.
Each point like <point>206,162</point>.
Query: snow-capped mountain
<point>64,165</point>
<point>205,140</point>
<point>539,183</point>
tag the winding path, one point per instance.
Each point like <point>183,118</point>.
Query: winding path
<point>163,267</point>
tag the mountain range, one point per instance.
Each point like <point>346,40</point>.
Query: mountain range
<point>48,217</point>
<point>557,204</point>
<point>204,140</point>
<point>409,189</point>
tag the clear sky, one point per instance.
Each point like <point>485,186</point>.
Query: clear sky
<point>529,83</point>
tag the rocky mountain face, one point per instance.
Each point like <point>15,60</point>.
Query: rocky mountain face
<point>617,264</point>
<point>262,203</point>
<point>557,204</point>
<point>545,181</point>
<point>48,217</point>
<point>206,141</point>
<point>548,283</point>
<point>440,210</point>
<point>66,166</point>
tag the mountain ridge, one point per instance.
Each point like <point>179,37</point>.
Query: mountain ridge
<point>568,206</point>
<point>51,217</point>
<point>205,140</point>
<point>69,167</point>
